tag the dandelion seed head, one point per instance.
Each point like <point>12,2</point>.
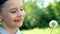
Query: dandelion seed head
<point>53,23</point>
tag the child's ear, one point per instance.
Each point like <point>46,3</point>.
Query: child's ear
<point>0,18</point>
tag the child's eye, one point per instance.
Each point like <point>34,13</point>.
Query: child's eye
<point>21,9</point>
<point>13,12</point>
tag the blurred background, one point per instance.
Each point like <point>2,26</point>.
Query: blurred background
<point>38,15</point>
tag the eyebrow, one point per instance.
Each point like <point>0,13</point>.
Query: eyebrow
<point>16,8</point>
<point>13,8</point>
<point>21,6</point>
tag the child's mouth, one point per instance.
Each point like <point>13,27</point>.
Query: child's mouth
<point>18,20</point>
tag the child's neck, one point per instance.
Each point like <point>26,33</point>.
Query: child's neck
<point>9,29</point>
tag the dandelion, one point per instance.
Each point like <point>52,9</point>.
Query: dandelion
<point>53,24</point>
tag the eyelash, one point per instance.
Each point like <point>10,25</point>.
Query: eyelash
<point>21,9</point>
<point>13,11</point>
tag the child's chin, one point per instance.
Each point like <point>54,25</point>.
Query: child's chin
<point>18,25</point>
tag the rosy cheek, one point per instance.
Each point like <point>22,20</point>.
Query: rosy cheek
<point>10,16</point>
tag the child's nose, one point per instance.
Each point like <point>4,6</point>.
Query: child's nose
<point>20,14</point>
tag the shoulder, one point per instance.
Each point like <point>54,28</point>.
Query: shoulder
<point>2,31</point>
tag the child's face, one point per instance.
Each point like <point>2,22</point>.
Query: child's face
<point>13,13</point>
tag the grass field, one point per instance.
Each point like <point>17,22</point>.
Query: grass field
<point>42,31</point>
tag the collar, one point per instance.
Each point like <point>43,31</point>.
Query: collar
<point>3,31</point>
<point>18,32</point>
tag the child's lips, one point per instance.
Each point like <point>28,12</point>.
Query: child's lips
<point>18,20</point>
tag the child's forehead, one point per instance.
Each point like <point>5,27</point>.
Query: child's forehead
<point>12,3</point>
<point>15,0</point>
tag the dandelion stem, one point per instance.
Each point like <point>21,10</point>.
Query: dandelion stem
<point>51,30</point>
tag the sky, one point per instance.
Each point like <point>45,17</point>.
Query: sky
<point>45,2</point>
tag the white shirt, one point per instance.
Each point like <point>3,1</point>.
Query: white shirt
<point>3,31</point>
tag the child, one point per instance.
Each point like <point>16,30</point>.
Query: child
<point>11,16</point>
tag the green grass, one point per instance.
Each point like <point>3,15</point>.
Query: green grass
<point>42,31</point>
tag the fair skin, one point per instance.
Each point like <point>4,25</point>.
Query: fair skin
<point>12,15</point>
